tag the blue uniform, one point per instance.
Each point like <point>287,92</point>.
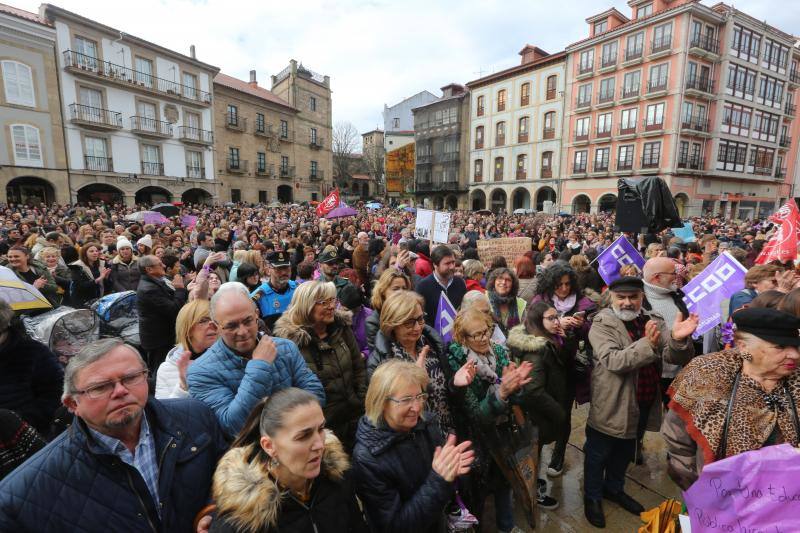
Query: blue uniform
<point>271,304</point>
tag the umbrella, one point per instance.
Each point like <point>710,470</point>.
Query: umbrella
<point>342,212</point>
<point>483,212</point>
<point>522,211</point>
<point>139,216</point>
<point>409,209</point>
<point>373,205</point>
<point>168,210</point>
<point>19,295</point>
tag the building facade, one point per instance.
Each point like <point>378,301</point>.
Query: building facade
<point>33,163</point>
<point>441,150</point>
<point>700,96</point>
<point>139,124</point>
<point>514,127</point>
<point>398,121</point>
<point>374,154</point>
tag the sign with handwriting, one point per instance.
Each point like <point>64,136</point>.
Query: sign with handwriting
<point>508,247</point>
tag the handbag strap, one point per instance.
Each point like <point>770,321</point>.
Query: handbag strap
<point>795,419</point>
<point>723,444</point>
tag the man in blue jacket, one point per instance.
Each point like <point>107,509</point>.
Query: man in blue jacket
<point>244,366</point>
<point>274,295</point>
<point>126,464</point>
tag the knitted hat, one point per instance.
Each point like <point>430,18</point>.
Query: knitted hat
<point>147,240</point>
<point>123,242</point>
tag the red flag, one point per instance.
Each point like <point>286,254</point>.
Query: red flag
<point>783,244</point>
<point>328,204</point>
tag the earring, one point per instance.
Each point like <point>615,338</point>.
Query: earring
<point>273,462</point>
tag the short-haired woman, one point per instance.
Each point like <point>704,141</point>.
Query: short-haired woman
<point>390,281</point>
<point>323,335</point>
<point>473,275</point>
<point>286,472</point>
<point>195,332</point>
<point>403,469</point>
<point>508,309</point>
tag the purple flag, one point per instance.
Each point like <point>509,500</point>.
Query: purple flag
<point>153,217</point>
<point>715,284</point>
<point>445,316</point>
<point>752,491</point>
<point>189,220</point>
<point>620,253</point>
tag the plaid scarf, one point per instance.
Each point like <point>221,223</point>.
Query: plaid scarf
<point>648,380</point>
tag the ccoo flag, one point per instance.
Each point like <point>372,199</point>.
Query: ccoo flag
<point>330,203</point>
<point>783,244</point>
<point>613,258</point>
<point>445,316</point>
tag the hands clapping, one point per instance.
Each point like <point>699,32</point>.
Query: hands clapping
<point>452,460</point>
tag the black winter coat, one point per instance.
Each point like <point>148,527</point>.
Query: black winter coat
<point>124,277</point>
<point>158,306</point>
<point>393,476</point>
<point>84,288</point>
<point>31,379</point>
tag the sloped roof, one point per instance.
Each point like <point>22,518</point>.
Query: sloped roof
<point>516,69</point>
<point>21,13</point>
<point>259,92</point>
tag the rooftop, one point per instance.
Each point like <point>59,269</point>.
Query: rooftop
<point>558,56</point>
<point>251,89</point>
<point>21,13</point>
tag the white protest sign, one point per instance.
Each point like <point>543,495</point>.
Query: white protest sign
<point>441,227</point>
<point>423,226</point>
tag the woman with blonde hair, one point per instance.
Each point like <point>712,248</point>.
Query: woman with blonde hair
<point>391,280</point>
<point>195,333</point>
<point>323,335</point>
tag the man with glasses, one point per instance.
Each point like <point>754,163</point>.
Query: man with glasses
<point>274,295</point>
<point>244,365</point>
<point>127,463</point>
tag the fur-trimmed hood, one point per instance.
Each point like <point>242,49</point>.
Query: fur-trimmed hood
<point>300,335</point>
<point>246,495</point>
<point>520,340</point>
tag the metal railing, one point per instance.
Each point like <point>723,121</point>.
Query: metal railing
<point>98,164</point>
<point>95,115</point>
<point>690,163</point>
<point>700,83</point>
<point>651,161</point>
<point>152,169</point>
<point>188,133</point>
<point>583,102</point>
<point>696,123</point>
<point>650,126</point>
<point>263,130</point>
<point>605,97</point>
<point>625,164</point>
<point>791,109</point>
<point>634,53</point>
<point>585,68</point>
<point>195,172</point>
<point>152,126</point>
<point>579,168</point>
<point>286,172</point>
<point>608,61</point>
<point>658,84</point>
<point>423,159</point>
<point>581,137</point>
<point>478,144</point>
<point>630,92</point>
<point>286,136</point>
<point>659,44</point>
<point>316,176</point>
<point>704,42</point>
<point>785,141</point>
<point>780,172</point>
<point>236,165</point>
<point>601,166</point>
<point>235,122</point>
<point>627,129</point>
<point>316,142</point>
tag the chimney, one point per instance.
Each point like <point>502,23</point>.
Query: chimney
<point>192,52</point>
<point>253,80</point>
<point>531,53</point>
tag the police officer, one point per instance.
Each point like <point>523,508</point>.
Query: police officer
<point>274,295</point>
<point>329,264</point>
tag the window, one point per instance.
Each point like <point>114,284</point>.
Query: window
<point>736,119</point>
<point>547,165</point>
<point>151,160</point>
<point>501,100</point>
<point>27,146</point>
<point>761,160</point>
<point>478,169</point>
<point>86,53</point>
<point>606,91</point>
<point>233,158</point>
<point>233,115</point>
<point>261,161</point>
<point>96,154</point>
<point>262,197</point>
<point>604,125</point>
<point>662,37</point>
<point>190,86</point>
<point>644,11</point>
<point>498,168</point>
<point>746,44</point>
<point>284,164</point>
<point>313,135</point>
<point>631,84</point>
<point>525,94</point>
<point>652,154</point>
<point>741,81</point>
<point>523,130</point>
<point>144,72</point>
<point>500,134</point>
<point>395,122</point>
<point>770,91</point>
<point>625,157</point>
<point>147,117</point>
<point>479,104</point>
<point>312,103</point>
<point>579,162</point>
<point>194,164</point>
<point>627,120</point>
<point>479,137</point>
<point>549,130</point>
<point>18,82</point>
<point>586,62</point>
<point>600,27</point>
<point>551,86</point>
<point>236,195</point>
<point>731,156</point>
<point>191,120</point>
<point>91,98</point>
<point>314,168</point>
<point>655,116</point>
<point>601,156</point>
<point>776,56</point>
<point>658,77</point>
<point>522,166</point>
<point>609,54</point>
<point>260,126</point>
<point>582,128</point>
<point>634,46</point>
<point>585,95</point>
<point>284,129</point>
<point>683,154</point>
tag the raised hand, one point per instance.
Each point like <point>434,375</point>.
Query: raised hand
<point>653,334</point>
<point>684,328</point>
<point>423,356</point>
<point>183,363</point>
<point>465,374</point>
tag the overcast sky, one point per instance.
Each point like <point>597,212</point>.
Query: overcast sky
<point>375,51</point>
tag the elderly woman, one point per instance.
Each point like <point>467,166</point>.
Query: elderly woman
<point>473,274</point>
<point>324,337</point>
<point>89,275</point>
<point>486,409</point>
<point>286,472</point>
<point>403,469</point>
<point>391,280</point>
<point>508,309</point>
<point>33,272</point>
<point>733,401</point>
<point>51,258</point>
<point>195,332</point>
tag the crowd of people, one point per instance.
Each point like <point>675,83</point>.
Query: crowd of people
<point>291,375</point>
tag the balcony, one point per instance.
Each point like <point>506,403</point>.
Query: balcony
<point>195,135</point>
<point>286,172</point>
<point>634,54</point>
<point>548,133</point>
<point>631,91</point>
<point>524,100</point>
<point>695,125</point>
<point>92,67</point>
<point>424,159</point>
<point>699,84</point>
<point>791,110</point>
<point>607,62</point>
<point>150,168</point>
<point>98,164</point>
<point>579,168</point>
<point>316,142</point>
<point>625,164</point>
<point>601,166</point>
<point>235,122</point>
<point>150,127</point>
<point>605,98</point>
<point>95,117</point>
<point>500,140</point>
<point>478,177</point>
<point>316,175</point>
<point>522,137</point>
<point>661,44</point>
<point>650,162</point>
<point>551,94</point>
<point>780,173</point>
<point>785,141</point>
<point>583,103</point>
<point>522,174</point>
<point>581,137</point>
<point>236,165</point>
<point>480,111</point>
<point>657,85</point>
<point>627,129</point>
<point>438,185</point>
<point>762,171</point>
<point>265,169</point>
<point>478,144</point>
<point>690,163</point>
<point>264,130</point>
<point>286,136</point>
<point>603,134</point>
<point>547,173</point>
<point>196,173</point>
<point>447,157</point>
<point>585,68</point>
<point>703,45</point>
<point>653,126</point>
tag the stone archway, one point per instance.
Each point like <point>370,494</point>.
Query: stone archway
<point>285,194</point>
<point>681,202</point>
<point>30,190</point>
<point>451,203</point>
<point>520,199</point>
<point>478,200</point>
<point>197,196</point>
<point>153,195</point>
<point>607,203</point>
<point>100,192</point>
<point>499,200</point>
<point>581,204</point>
<point>544,194</point>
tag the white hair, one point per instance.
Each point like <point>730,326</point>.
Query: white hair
<point>226,291</point>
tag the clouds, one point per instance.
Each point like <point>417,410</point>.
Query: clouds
<point>375,51</point>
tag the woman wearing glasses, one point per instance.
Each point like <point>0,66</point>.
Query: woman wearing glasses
<point>196,332</point>
<point>502,288</point>
<point>323,335</point>
<point>403,468</point>
<point>484,413</point>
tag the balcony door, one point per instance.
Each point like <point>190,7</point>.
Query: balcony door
<point>147,116</point>
<point>91,101</point>
<point>96,153</point>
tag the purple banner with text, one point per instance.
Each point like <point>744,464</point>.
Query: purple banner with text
<point>715,284</point>
<point>612,259</point>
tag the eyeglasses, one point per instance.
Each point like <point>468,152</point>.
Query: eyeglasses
<point>330,302</point>
<point>203,321</point>
<point>102,390</point>
<point>408,400</point>
<point>552,318</point>
<point>419,321</point>
<point>666,274</point>
<point>231,327</point>
<point>479,335</point>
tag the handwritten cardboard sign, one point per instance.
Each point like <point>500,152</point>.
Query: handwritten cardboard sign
<point>432,225</point>
<point>753,492</point>
<point>508,247</point>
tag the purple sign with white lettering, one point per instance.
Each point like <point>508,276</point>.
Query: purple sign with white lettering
<point>715,284</point>
<point>756,492</point>
<point>620,253</point>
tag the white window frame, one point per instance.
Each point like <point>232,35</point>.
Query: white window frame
<point>27,132</point>
<point>19,84</point>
